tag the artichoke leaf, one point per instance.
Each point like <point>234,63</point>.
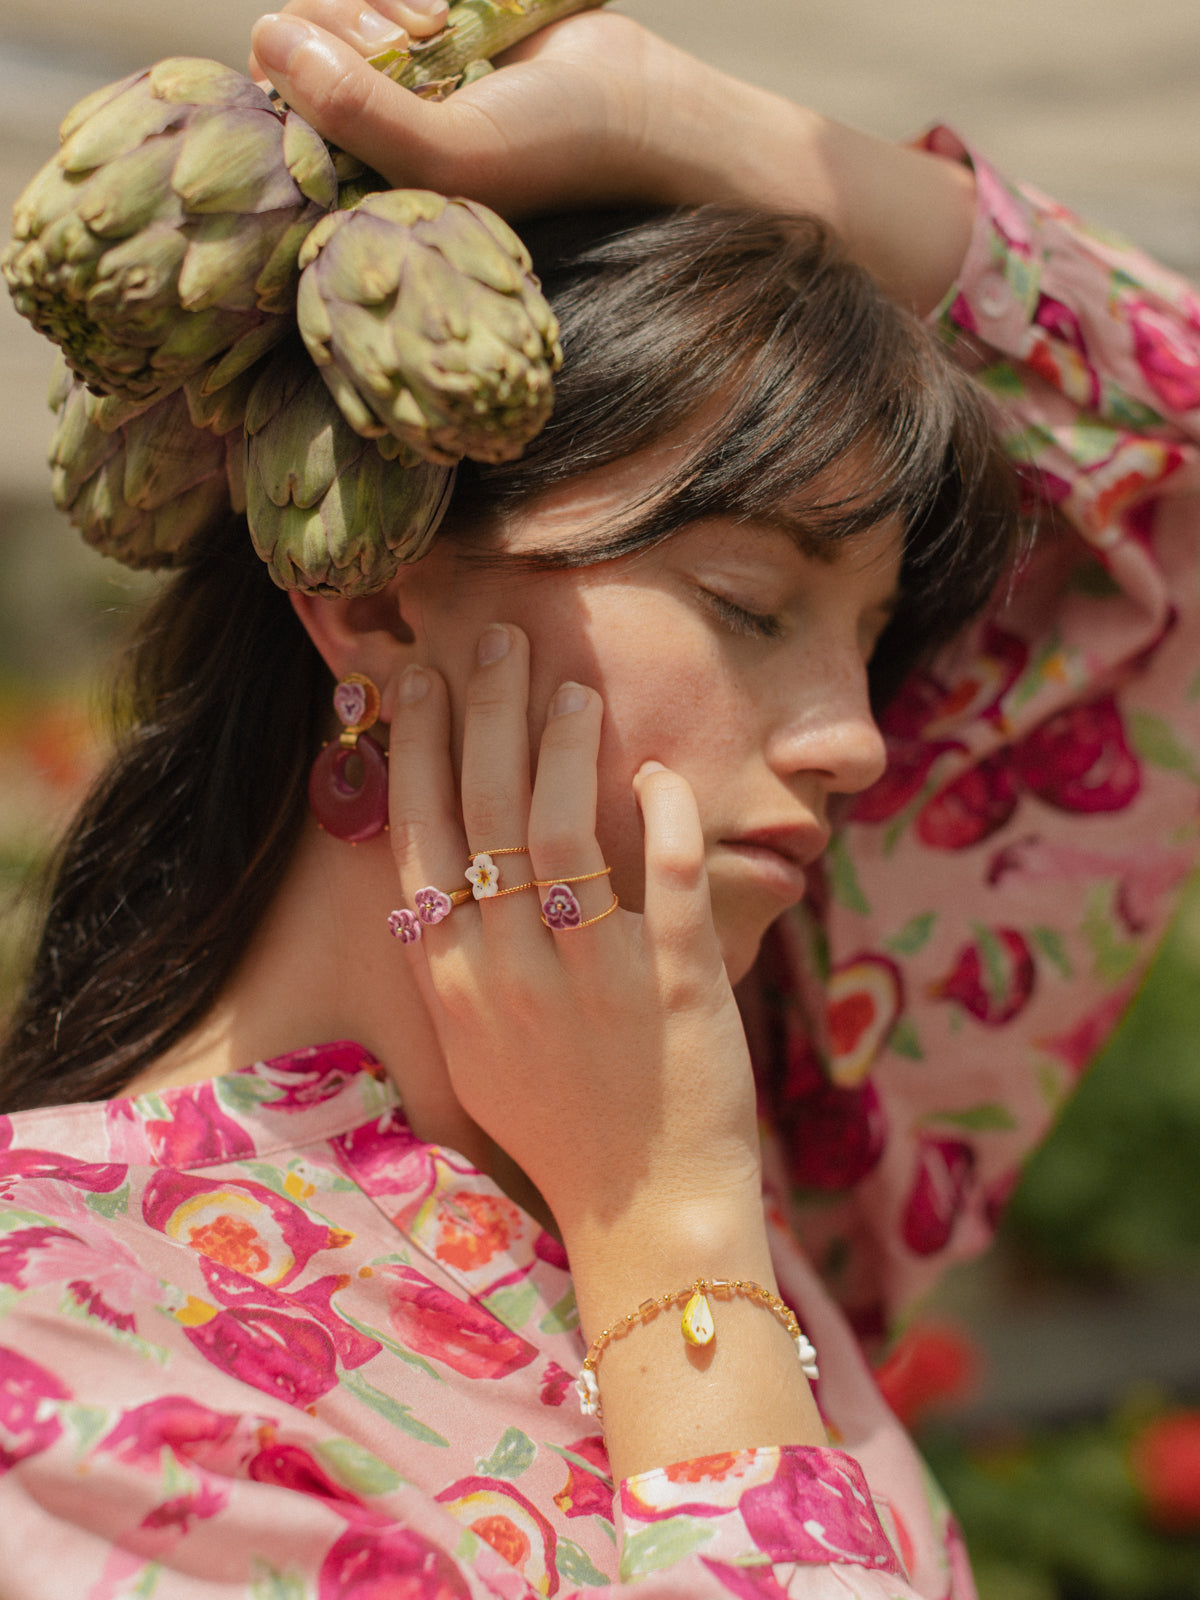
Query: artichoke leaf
<point>169,456</point>
<point>277,280</point>
<point>119,127</point>
<point>197,81</point>
<point>91,103</point>
<point>131,192</point>
<point>307,158</point>
<point>231,159</point>
<point>224,258</point>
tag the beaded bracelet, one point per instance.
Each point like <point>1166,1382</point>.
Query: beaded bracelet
<point>696,1325</point>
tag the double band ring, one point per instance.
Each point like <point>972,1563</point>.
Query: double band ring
<point>484,875</point>
<point>561,911</point>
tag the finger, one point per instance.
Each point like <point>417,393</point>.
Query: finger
<point>495,769</point>
<point>369,28</point>
<point>677,911</point>
<point>347,100</point>
<point>562,816</point>
<point>425,835</point>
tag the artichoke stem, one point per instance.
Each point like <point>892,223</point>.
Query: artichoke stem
<point>476,30</point>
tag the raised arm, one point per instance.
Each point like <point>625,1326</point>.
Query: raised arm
<point>596,110</point>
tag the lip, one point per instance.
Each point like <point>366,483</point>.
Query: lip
<point>779,856</point>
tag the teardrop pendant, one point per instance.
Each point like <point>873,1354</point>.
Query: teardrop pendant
<point>697,1323</point>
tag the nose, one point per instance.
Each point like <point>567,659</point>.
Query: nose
<point>825,728</point>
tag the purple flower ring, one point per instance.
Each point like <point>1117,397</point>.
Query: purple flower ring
<point>560,908</point>
<point>404,926</point>
<point>432,905</point>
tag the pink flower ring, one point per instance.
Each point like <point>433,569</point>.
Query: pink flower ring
<point>404,926</point>
<point>432,905</point>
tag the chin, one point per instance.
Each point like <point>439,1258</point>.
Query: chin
<point>739,949</point>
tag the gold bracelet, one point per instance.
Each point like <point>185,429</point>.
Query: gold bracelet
<point>696,1325</point>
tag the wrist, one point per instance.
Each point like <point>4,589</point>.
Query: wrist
<point>656,1249</point>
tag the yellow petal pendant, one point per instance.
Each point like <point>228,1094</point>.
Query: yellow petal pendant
<point>697,1324</point>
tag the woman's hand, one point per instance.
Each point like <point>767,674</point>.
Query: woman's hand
<point>608,1061</point>
<point>596,110</point>
<point>591,110</point>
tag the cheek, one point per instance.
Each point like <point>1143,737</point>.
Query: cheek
<point>671,708</point>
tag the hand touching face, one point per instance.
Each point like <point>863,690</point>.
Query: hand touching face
<point>725,653</point>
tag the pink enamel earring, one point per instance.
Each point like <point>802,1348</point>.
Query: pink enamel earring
<point>342,809</point>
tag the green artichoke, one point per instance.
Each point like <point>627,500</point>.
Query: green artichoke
<point>427,324</point>
<point>142,479</point>
<point>329,511</point>
<point>162,238</point>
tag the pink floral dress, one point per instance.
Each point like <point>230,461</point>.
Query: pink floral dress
<point>258,1342</point>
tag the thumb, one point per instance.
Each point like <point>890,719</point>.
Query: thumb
<point>348,101</point>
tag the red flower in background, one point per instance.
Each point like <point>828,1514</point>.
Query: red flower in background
<point>935,1365</point>
<point>1165,1459</point>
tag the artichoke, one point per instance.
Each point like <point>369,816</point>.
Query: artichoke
<point>329,511</point>
<point>140,480</point>
<point>162,249</point>
<point>426,323</point>
<point>162,238</point>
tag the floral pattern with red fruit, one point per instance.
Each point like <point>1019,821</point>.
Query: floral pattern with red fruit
<point>972,806</point>
<point>833,1137</point>
<point>945,1168</point>
<point>26,1428</point>
<point>865,999</point>
<point>1080,760</point>
<point>588,1490</point>
<point>1167,351</point>
<point>992,978</point>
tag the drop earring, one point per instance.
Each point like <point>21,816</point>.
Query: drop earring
<point>350,812</point>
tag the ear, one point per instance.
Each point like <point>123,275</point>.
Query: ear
<point>367,634</point>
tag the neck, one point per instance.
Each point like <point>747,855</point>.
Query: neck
<point>323,966</point>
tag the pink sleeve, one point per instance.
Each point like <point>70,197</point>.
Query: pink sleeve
<point>993,903</point>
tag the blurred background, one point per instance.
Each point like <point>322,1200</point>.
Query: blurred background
<point>1055,1387</point>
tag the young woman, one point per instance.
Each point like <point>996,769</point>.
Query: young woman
<point>287,1315</point>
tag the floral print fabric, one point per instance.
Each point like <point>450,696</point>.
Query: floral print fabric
<point>992,904</point>
<point>256,1339</point>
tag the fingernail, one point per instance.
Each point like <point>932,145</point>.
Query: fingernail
<point>493,644</point>
<point>414,685</point>
<point>376,29</point>
<point>570,697</point>
<point>647,767</point>
<point>426,8</point>
<point>277,38</point>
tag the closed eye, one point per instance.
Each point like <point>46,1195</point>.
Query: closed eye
<point>750,624</point>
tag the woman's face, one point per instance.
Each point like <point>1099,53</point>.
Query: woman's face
<point>725,653</point>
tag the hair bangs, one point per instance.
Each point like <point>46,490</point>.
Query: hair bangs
<point>799,394</point>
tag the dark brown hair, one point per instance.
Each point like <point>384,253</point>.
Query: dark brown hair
<point>181,846</point>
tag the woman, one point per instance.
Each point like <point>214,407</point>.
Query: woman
<point>183,1393</point>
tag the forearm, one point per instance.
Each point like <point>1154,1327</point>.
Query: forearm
<point>903,214</point>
